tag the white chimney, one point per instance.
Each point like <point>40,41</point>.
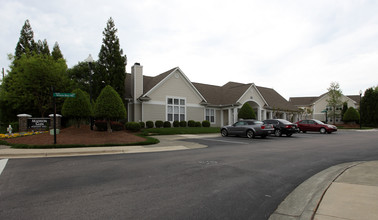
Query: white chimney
<point>136,81</point>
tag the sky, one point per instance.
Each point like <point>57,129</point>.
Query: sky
<point>297,47</point>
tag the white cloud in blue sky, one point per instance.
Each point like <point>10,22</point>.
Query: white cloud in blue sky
<point>296,47</point>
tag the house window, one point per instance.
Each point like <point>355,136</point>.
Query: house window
<point>176,109</point>
<point>210,115</point>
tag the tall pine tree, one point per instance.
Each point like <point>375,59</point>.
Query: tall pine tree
<point>56,52</point>
<point>111,62</point>
<point>26,43</point>
<point>43,47</point>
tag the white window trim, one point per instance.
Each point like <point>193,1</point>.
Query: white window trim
<point>166,107</point>
<point>215,115</point>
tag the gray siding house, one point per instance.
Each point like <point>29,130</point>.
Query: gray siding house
<point>171,96</point>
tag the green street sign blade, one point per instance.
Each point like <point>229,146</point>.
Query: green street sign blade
<point>64,95</point>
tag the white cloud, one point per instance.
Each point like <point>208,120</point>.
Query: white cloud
<point>295,47</point>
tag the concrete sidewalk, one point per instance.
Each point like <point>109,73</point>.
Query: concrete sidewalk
<point>167,143</point>
<point>346,191</point>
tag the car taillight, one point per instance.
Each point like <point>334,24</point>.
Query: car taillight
<point>262,126</point>
<point>288,126</point>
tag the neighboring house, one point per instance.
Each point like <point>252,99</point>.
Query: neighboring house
<point>171,96</point>
<point>317,107</point>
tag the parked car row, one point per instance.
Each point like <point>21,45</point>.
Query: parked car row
<point>252,128</point>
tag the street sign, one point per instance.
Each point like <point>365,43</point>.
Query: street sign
<point>64,95</point>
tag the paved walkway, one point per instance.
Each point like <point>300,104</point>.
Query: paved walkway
<point>344,192</point>
<point>347,191</point>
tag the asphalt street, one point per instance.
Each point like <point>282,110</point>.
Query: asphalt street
<point>233,178</point>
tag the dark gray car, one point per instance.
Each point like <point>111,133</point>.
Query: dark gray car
<point>249,128</point>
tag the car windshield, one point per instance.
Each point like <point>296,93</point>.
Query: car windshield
<point>283,121</point>
<point>319,122</point>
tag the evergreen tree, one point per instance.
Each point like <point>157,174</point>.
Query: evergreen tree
<point>77,108</point>
<point>351,115</point>
<point>109,106</point>
<point>246,112</point>
<point>56,52</point>
<point>111,62</point>
<point>345,108</point>
<point>26,43</point>
<point>369,107</point>
<point>43,47</point>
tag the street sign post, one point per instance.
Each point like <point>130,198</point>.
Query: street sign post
<point>64,95</point>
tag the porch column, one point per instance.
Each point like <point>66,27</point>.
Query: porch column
<point>235,115</point>
<point>230,116</point>
<point>259,113</point>
<point>284,115</point>
<point>221,117</point>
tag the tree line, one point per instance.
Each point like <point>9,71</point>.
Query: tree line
<point>34,71</point>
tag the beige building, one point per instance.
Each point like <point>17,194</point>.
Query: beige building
<point>317,107</point>
<point>171,96</point>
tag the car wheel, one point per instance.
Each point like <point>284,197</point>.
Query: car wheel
<point>277,133</point>
<point>322,131</point>
<point>288,135</point>
<point>224,133</point>
<point>250,134</point>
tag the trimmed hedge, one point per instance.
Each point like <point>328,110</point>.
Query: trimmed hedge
<point>351,115</point>
<point>167,124</point>
<point>176,124</point>
<point>142,124</point>
<point>133,126</point>
<point>149,124</point>
<point>183,124</point>
<point>159,123</point>
<point>191,123</point>
<point>205,124</point>
<point>197,124</point>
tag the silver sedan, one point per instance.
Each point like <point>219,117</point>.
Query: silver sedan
<point>250,128</point>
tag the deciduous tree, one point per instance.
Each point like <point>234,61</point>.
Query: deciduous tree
<point>334,99</point>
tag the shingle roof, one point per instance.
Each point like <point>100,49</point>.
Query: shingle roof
<point>355,98</point>
<point>275,100</point>
<point>303,101</point>
<point>227,94</point>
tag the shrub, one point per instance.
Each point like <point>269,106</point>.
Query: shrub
<point>142,124</point>
<point>167,124</point>
<point>109,106</point>
<point>133,126</point>
<point>149,124</point>
<point>246,112</point>
<point>176,124</point>
<point>197,124</point>
<point>183,124</point>
<point>351,115</point>
<point>101,125</point>
<point>191,123</point>
<point>117,126</point>
<point>159,123</point>
<point>206,124</point>
<point>77,108</point>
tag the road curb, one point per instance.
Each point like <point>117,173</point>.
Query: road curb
<point>302,203</point>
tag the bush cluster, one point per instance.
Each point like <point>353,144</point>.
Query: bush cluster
<point>159,123</point>
<point>175,124</point>
<point>133,126</point>
<point>150,124</point>
<point>102,125</point>
<point>167,124</point>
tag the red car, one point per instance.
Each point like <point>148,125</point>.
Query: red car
<point>315,125</point>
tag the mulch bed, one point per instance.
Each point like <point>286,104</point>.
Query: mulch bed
<point>82,135</point>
